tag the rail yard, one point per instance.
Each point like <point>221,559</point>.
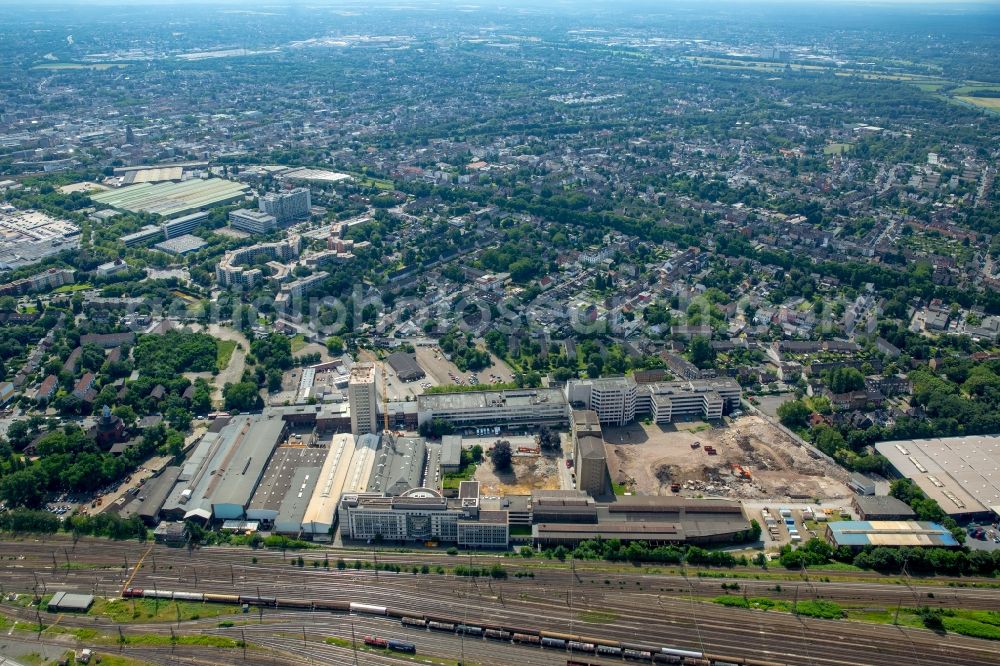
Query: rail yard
<point>321,613</point>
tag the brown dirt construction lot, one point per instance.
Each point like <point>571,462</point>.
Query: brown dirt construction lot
<point>754,460</point>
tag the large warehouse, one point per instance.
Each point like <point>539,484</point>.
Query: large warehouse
<point>222,473</point>
<point>172,199</point>
<point>562,519</point>
<point>406,367</point>
<point>857,534</point>
<point>961,473</point>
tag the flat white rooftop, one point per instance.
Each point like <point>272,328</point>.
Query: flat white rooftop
<point>961,473</point>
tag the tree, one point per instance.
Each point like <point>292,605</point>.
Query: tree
<point>794,414</point>
<point>501,455</point>
<point>19,434</point>
<point>126,414</point>
<point>845,380</point>
<point>335,344</point>
<point>23,488</point>
<point>241,396</point>
<point>702,354</point>
<point>549,440</point>
<point>273,380</point>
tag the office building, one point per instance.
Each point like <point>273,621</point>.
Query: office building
<point>613,398</point>
<point>286,207</point>
<point>589,454</point>
<point>363,398</point>
<point>619,400</point>
<point>183,225</point>
<point>252,221</point>
<point>148,233</point>
<point>421,515</point>
<point>514,408</point>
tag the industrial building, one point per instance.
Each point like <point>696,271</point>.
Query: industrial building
<point>654,519</point>
<point>423,515</point>
<point>287,488</point>
<point>405,366</point>
<point>513,408</point>
<point>286,207</point>
<point>252,221</point>
<point>961,473</point>
<point>620,400</point>
<point>155,492</point>
<point>320,516</point>
<point>221,474</point>
<point>589,454</point>
<point>27,236</point>
<point>451,453</point>
<point>882,507</point>
<point>858,534</point>
<point>181,245</point>
<point>399,465</point>
<point>170,199</point>
<point>362,394</point>
<point>70,602</point>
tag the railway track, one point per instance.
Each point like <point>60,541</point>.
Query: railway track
<point>664,608</point>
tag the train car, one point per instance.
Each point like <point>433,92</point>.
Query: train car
<point>609,651</point>
<point>402,646</point>
<point>527,639</point>
<point>392,612</point>
<point>189,596</point>
<point>132,592</point>
<point>693,654</point>
<point>158,594</point>
<point>580,646</point>
<point>697,662</point>
<point>469,630</point>
<point>441,626</point>
<point>413,622</point>
<point>295,603</point>
<point>339,606</point>
<point>638,655</point>
<point>660,658</point>
<point>367,609</point>
<point>221,598</point>
<point>375,641</point>
<point>556,643</point>
<point>497,634</point>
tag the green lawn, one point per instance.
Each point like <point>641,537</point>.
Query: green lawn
<point>837,148</point>
<point>597,617</point>
<point>69,288</point>
<point>163,610</point>
<point>298,342</point>
<point>452,481</point>
<point>225,350</point>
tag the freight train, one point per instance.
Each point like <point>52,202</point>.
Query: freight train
<point>551,640</point>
